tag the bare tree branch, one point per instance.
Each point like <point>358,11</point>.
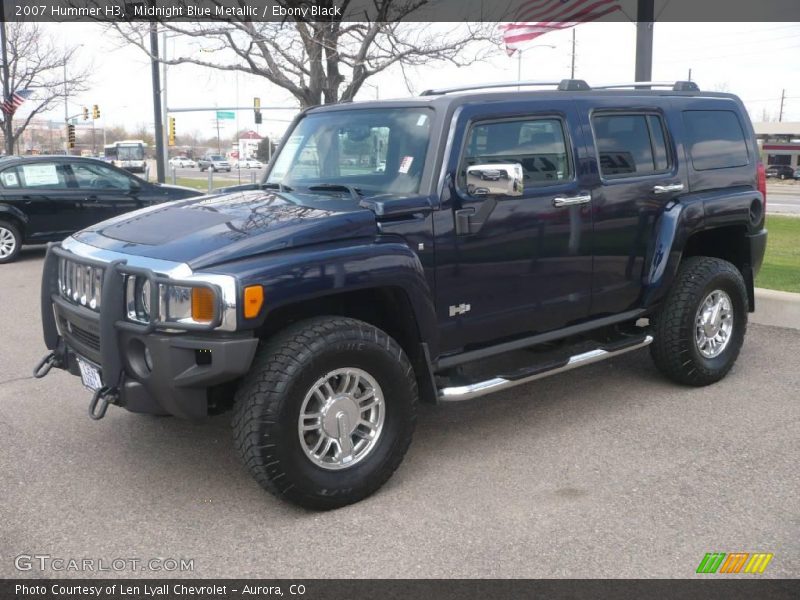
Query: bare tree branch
<point>36,64</point>
<point>323,61</point>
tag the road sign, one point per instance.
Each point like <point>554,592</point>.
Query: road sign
<point>224,114</point>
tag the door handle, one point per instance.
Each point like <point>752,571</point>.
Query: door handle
<point>572,200</point>
<point>91,198</point>
<point>668,188</point>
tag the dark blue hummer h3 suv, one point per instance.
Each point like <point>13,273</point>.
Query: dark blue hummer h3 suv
<point>432,249</point>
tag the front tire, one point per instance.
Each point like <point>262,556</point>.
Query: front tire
<point>326,413</point>
<point>10,242</point>
<point>700,329</point>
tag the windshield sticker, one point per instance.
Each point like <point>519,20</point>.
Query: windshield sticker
<point>10,178</point>
<point>422,120</point>
<point>405,164</point>
<point>40,174</point>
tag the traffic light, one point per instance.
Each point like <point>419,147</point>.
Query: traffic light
<point>257,109</point>
<point>95,112</point>
<point>85,114</point>
<point>171,131</point>
<point>71,136</point>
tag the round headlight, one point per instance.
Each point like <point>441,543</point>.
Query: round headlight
<point>144,299</point>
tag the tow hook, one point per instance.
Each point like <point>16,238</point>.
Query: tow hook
<point>44,365</point>
<point>100,401</point>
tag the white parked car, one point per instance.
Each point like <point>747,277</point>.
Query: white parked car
<point>182,162</point>
<point>248,163</point>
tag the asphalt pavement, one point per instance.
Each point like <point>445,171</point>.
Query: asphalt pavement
<point>609,471</point>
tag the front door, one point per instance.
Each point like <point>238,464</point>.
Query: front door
<point>106,192</point>
<point>524,263</point>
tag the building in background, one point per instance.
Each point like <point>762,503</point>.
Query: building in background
<point>779,142</point>
<point>246,146</point>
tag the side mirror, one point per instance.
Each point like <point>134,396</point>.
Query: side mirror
<point>501,179</point>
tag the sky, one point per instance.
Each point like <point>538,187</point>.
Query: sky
<point>753,60</point>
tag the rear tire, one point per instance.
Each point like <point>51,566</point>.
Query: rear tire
<point>295,399</point>
<point>700,329</point>
<point>10,242</point>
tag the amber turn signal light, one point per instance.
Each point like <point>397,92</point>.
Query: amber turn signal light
<point>253,301</point>
<point>203,300</point>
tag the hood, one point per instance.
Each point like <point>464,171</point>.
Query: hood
<point>213,229</point>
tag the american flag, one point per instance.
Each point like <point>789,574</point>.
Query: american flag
<point>537,17</point>
<point>11,104</point>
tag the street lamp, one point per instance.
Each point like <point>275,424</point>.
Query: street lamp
<point>519,57</point>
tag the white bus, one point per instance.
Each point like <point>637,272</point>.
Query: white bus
<point>127,154</point>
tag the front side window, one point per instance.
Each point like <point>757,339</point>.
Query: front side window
<point>715,138</point>
<point>630,145</point>
<point>89,176</point>
<point>375,151</point>
<point>539,145</point>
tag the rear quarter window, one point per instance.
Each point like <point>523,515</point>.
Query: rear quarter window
<point>715,139</point>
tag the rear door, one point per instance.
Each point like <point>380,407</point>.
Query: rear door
<point>41,190</point>
<point>524,266</point>
<point>636,176</point>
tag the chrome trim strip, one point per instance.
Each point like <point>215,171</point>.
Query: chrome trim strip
<point>481,388</point>
<point>169,269</point>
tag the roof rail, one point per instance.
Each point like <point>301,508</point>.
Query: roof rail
<point>676,86</point>
<point>565,85</point>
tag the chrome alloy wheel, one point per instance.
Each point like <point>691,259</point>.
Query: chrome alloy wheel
<point>341,418</point>
<point>714,324</point>
<point>8,242</point>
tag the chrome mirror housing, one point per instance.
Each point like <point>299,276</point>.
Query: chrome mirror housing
<point>501,179</point>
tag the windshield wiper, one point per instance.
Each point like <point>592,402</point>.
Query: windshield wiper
<point>354,192</point>
<point>276,186</point>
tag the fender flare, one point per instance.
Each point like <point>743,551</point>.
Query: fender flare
<point>13,211</point>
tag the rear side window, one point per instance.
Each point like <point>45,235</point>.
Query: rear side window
<point>715,139</point>
<point>630,145</point>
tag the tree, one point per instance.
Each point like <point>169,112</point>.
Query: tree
<point>322,62</point>
<point>36,64</point>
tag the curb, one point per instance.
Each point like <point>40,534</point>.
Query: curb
<point>781,309</point>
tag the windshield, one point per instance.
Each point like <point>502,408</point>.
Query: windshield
<point>374,151</point>
<point>130,152</point>
<point>216,157</point>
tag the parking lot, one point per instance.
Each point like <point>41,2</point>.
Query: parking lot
<point>609,471</point>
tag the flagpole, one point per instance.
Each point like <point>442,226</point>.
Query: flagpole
<point>7,121</point>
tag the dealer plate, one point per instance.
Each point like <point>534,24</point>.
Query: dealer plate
<point>90,375</point>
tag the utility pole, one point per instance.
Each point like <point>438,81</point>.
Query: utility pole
<point>572,69</point>
<point>690,74</point>
<point>645,15</point>
<point>219,148</point>
<point>164,104</point>
<point>7,121</point>
<point>783,98</point>
<point>157,117</point>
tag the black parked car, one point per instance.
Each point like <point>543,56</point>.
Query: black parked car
<point>780,171</point>
<point>46,198</point>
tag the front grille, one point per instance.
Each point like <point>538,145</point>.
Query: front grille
<point>87,338</point>
<point>80,283</point>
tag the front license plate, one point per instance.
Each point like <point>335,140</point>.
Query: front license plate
<point>90,375</point>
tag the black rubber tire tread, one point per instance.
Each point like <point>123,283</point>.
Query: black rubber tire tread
<point>673,349</point>
<point>264,396</point>
<point>11,226</point>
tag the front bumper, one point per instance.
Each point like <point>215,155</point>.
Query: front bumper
<point>180,369</point>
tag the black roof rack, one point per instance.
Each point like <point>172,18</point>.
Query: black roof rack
<point>675,86</point>
<point>567,85</point>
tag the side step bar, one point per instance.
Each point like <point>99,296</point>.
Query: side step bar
<point>481,388</point>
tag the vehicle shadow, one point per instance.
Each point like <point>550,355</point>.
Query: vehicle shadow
<point>203,451</point>
<point>31,253</point>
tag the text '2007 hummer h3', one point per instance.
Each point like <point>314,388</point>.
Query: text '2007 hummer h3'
<point>432,249</point>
